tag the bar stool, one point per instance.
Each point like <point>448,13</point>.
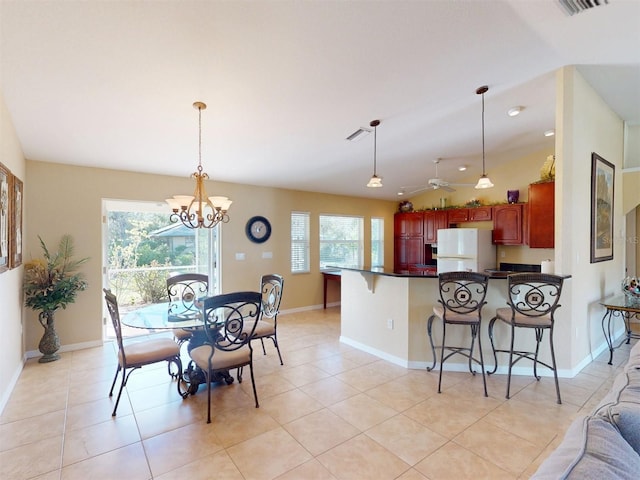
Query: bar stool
<point>533,300</point>
<point>462,296</point>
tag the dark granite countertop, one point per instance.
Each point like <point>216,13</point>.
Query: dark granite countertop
<point>493,274</point>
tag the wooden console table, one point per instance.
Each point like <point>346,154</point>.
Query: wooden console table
<point>334,276</point>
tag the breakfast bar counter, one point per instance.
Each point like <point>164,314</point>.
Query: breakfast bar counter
<point>385,314</point>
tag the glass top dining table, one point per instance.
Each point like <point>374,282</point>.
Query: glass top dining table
<point>158,316</point>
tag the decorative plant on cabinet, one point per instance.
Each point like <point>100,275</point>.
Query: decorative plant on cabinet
<point>49,284</point>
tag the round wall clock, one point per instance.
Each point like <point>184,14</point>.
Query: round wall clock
<point>258,229</point>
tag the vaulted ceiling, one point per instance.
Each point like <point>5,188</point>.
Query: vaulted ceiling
<point>111,84</point>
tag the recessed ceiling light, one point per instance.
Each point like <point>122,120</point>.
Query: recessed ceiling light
<point>462,168</point>
<point>513,111</point>
<point>549,133</point>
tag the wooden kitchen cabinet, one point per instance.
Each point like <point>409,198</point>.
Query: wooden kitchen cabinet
<point>408,224</point>
<point>458,215</point>
<point>507,224</point>
<point>540,215</point>
<point>408,240</point>
<point>480,214</point>
<point>433,221</point>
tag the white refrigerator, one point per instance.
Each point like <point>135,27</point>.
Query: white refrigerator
<point>465,249</point>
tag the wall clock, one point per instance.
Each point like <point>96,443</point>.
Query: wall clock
<point>258,229</point>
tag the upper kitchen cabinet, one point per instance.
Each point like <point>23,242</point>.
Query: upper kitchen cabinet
<point>408,240</point>
<point>408,224</point>
<point>433,221</point>
<point>541,217</point>
<point>507,224</point>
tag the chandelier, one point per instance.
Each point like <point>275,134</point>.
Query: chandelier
<point>198,210</point>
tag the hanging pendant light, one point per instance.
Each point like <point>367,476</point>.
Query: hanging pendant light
<point>376,181</point>
<point>484,181</point>
<point>198,210</point>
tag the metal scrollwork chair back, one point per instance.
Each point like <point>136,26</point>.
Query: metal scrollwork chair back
<point>183,291</point>
<point>228,343</point>
<point>533,301</point>
<point>462,296</point>
<point>136,355</point>
<point>271,286</point>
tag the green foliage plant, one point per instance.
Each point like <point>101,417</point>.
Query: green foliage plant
<point>53,282</point>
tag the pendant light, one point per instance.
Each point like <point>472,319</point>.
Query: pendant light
<point>484,181</point>
<point>376,181</point>
<point>198,210</point>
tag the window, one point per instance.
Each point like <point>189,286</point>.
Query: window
<point>377,242</point>
<point>341,241</point>
<point>299,242</point>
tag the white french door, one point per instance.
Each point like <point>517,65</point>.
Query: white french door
<point>141,248</point>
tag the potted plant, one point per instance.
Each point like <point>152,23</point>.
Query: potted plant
<point>49,284</point>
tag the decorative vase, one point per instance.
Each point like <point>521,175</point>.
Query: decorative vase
<point>49,343</point>
<point>513,196</point>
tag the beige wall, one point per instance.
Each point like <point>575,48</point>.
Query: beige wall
<point>73,201</point>
<point>10,281</point>
<point>584,124</point>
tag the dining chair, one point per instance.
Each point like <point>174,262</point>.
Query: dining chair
<point>228,344</point>
<point>267,326</point>
<point>140,353</point>
<point>462,296</point>
<point>533,301</point>
<point>183,291</point>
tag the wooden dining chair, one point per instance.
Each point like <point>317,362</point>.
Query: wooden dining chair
<point>140,353</point>
<point>183,291</point>
<point>228,344</point>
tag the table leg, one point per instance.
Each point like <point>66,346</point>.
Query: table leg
<point>607,332</point>
<point>325,291</point>
<point>193,375</point>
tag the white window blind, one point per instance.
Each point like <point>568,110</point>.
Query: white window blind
<point>377,242</point>
<point>341,241</point>
<point>299,242</point>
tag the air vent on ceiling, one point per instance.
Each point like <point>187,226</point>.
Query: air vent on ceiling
<point>357,135</point>
<point>571,7</point>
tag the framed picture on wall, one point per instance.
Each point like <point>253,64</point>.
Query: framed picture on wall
<point>602,190</point>
<point>5,217</point>
<point>15,237</point>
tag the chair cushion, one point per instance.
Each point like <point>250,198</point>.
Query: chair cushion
<point>149,351</point>
<point>222,360</point>
<point>182,334</point>
<point>519,319</point>
<point>263,329</point>
<point>453,317</point>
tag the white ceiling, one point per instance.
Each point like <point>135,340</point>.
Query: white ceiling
<point>111,84</point>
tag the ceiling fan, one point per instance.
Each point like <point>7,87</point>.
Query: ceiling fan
<point>436,183</point>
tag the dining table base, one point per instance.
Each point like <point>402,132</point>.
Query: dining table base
<point>193,376</point>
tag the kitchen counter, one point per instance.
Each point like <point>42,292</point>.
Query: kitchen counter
<point>432,273</point>
<point>385,313</point>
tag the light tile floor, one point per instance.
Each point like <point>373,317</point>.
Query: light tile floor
<point>331,412</point>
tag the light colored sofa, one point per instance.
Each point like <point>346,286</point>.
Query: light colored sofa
<point>605,444</point>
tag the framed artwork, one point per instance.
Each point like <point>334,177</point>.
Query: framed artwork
<point>5,216</point>
<point>15,238</point>
<point>602,190</point>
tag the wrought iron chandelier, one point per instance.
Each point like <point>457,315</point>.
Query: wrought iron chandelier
<point>198,210</point>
